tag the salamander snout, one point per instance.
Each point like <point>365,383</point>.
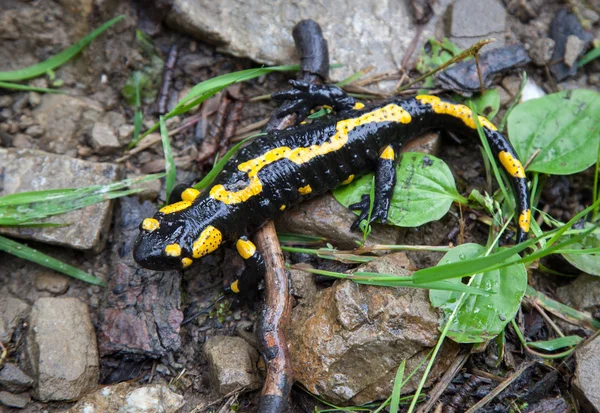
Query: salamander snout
<point>158,250</point>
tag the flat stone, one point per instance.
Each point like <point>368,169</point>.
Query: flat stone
<point>359,34</point>
<point>104,140</point>
<point>62,372</point>
<point>582,294</point>
<point>12,312</point>
<point>348,343</point>
<point>129,398</point>
<point>304,284</point>
<point>586,381</point>
<point>5,101</point>
<point>473,20</point>
<point>326,217</point>
<point>573,49</point>
<point>13,379</point>
<point>14,400</point>
<point>66,119</point>
<point>232,363</point>
<point>51,282</point>
<point>31,170</point>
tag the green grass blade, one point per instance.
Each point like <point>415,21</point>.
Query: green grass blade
<point>170,169</point>
<point>556,344</point>
<point>27,207</point>
<point>59,59</point>
<point>218,167</point>
<point>395,403</point>
<point>30,254</point>
<point>589,56</point>
<point>211,87</point>
<point>16,86</point>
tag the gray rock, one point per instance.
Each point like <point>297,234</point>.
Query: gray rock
<point>541,51</point>
<point>125,132</point>
<point>104,140</point>
<point>128,398</point>
<point>14,400</point>
<point>586,381</point>
<point>5,101</point>
<point>304,284</point>
<point>65,119</point>
<point>473,20</point>
<point>22,141</point>
<point>35,131</point>
<point>326,217</point>
<point>13,379</point>
<point>62,372</point>
<point>573,49</point>
<point>30,170</point>
<point>582,294</point>
<point>12,312</point>
<point>51,282</point>
<point>232,364</point>
<point>358,33</point>
<point>348,343</point>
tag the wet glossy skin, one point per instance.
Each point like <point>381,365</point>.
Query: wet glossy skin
<point>284,168</point>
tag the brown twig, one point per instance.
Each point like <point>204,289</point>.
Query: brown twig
<point>163,95</point>
<point>210,143</point>
<point>441,386</point>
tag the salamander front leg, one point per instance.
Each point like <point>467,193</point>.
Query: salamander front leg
<point>247,284</point>
<point>385,180</point>
<point>305,96</point>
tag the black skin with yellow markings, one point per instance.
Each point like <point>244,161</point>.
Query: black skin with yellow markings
<point>280,170</point>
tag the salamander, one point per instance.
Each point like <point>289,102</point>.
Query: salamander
<point>284,168</point>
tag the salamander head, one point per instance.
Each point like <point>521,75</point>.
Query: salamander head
<point>173,239</point>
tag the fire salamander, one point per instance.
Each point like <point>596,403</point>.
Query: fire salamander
<point>284,168</point>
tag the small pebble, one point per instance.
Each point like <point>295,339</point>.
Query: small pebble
<point>573,49</point>
<point>22,141</point>
<point>20,103</point>
<point>541,51</point>
<point>5,101</point>
<point>35,131</point>
<point>34,99</point>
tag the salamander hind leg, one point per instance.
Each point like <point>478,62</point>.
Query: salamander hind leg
<point>305,96</point>
<point>385,180</point>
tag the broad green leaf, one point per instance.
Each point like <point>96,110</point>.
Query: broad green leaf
<point>59,59</point>
<point>586,262</point>
<point>480,318</point>
<point>424,190</point>
<point>556,344</point>
<point>488,104</point>
<point>563,126</point>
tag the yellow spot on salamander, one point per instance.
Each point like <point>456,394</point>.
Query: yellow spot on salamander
<point>246,249</point>
<point>305,190</point>
<point>459,111</point>
<point>189,194</point>
<point>176,207</point>
<point>388,113</point>
<point>186,262</point>
<point>150,224</point>
<point>173,250</point>
<point>358,105</point>
<point>388,153</point>
<point>348,180</point>
<point>512,165</point>
<point>282,208</point>
<point>235,286</point>
<point>208,241</point>
<point>525,220</point>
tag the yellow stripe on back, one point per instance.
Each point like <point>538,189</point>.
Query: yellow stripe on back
<point>457,110</point>
<point>388,113</point>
